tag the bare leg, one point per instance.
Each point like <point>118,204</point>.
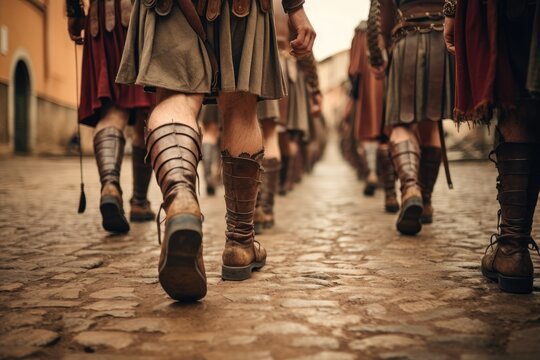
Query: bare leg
<point>271,140</point>
<point>175,107</point>
<point>210,150</point>
<point>241,131</point>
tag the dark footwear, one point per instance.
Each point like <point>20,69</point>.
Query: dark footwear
<point>371,184</point>
<point>242,254</point>
<point>406,158</point>
<point>174,150</point>
<point>142,173</point>
<point>430,162</point>
<point>518,183</point>
<point>109,151</point>
<point>112,211</point>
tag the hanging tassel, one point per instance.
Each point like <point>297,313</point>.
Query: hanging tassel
<point>82,197</point>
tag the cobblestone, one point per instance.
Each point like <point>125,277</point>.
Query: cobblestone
<point>340,282</point>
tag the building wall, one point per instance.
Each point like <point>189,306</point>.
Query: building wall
<point>37,35</point>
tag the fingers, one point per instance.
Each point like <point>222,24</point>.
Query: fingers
<point>451,49</point>
<point>303,44</point>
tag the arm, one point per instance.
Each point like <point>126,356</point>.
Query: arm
<point>449,11</point>
<point>76,20</point>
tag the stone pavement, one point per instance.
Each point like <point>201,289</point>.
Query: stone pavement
<point>340,282</point>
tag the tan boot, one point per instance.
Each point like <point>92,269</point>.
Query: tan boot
<point>388,176</point>
<point>507,259</point>
<point>142,173</point>
<point>175,151</point>
<point>269,188</point>
<point>242,254</point>
<point>430,161</point>
<point>109,151</point>
<point>406,158</point>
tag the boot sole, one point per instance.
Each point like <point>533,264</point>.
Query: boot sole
<point>141,218</point>
<point>113,219</point>
<point>369,190</point>
<point>511,284</point>
<point>239,273</point>
<point>409,221</point>
<point>426,219</point>
<point>391,209</point>
<point>179,274</point>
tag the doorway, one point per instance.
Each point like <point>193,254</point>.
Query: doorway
<point>22,108</point>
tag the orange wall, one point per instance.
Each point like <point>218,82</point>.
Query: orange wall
<point>42,34</point>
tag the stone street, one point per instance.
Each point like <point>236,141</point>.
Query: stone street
<point>340,282</point>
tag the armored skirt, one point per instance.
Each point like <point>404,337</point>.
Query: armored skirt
<point>298,117</point>
<point>162,50</point>
<point>420,80</point>
<point>101,59</point>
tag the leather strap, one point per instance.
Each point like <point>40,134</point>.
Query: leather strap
<point>408,77</point>
<point>213,10</point>
<point>265,5</point>
<point>241,8</point>
<point>436,71</point>
<point>125,12</point>
<point>110,19</point>
<point>193,19</point>
<point>94,22</point>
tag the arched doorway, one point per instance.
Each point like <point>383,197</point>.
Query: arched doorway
<point>22,108</point>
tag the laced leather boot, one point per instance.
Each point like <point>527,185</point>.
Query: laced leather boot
<point>388,176</point>
<point>174,150</point>
<point>268,189</point>
<point>241,179</point>
<point>142,173</point>
<point>406,159</point>
<point>507,259</point>
<point>430,161</point>
<point>109,151</point>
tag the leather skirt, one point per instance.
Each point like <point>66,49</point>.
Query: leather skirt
<point>103,46</point>
<point>420,80</point>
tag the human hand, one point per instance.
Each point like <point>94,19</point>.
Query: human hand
<point>75,26</point>
<point>304,33</point>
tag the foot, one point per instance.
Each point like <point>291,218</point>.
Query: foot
<point>371,184</point>
<point>210,190</point>
<point>391,204</point>
<point>112,209</point>
<point>141,211</point>
<point>181,266</point>
<point>240,260</point>
<point>510,266</point>
<point>427,214</point>
<point>411,209</point>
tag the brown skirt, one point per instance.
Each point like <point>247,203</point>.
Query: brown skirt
<point>268,109</point>
<point>420,80</point>
<point>165,52</point>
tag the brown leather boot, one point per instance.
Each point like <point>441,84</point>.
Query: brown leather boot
<point>269,188</point>
<point>406,159</point>
<point>509,262</point>
<point>174,150</point>
<point>242,254</point>
<point>109,151</point>
<point>430,161</point>
<point>142,172</point>
<point>388,176</point>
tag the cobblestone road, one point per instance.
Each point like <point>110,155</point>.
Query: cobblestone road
<point>340,282</point>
